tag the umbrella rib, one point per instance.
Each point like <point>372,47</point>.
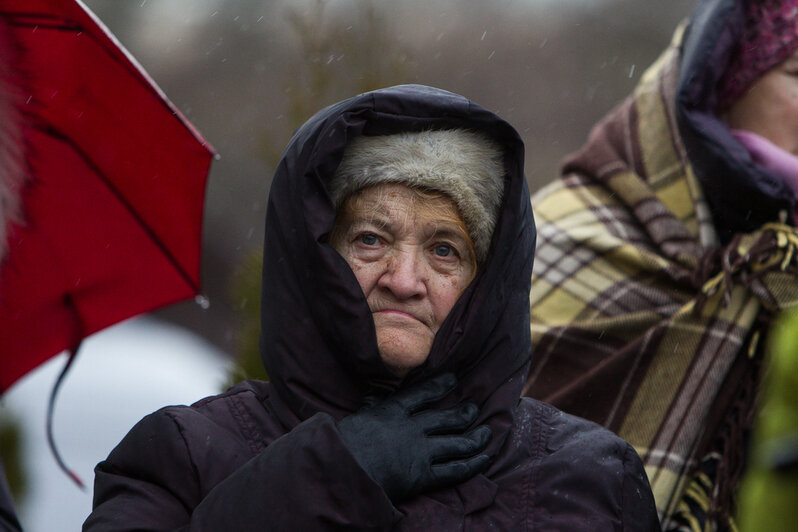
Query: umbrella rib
<point>53,132</point>
<point>38,20</point>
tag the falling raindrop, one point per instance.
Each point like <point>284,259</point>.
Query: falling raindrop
<point>203,302</point>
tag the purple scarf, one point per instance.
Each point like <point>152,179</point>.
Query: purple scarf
<point>772,158</point>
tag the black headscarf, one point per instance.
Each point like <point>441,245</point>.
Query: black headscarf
<point>318,341</point>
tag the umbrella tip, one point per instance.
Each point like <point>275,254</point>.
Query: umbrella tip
<point>202,301</point>
<point>76,479</point>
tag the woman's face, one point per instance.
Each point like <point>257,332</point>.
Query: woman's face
<point>770,107</point>
<point>412,258</point>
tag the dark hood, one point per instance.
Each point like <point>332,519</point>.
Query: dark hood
<point>318,341</point>
<point>741,194</point>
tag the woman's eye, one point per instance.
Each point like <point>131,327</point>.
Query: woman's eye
<point>368,239</point>
<point>443,250</point>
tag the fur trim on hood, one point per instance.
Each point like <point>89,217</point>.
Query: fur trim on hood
<point>464,165</point>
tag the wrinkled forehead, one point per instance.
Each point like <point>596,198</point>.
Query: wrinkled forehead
<point>397,201</point>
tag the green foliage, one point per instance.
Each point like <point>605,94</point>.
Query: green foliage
<point>769,494</point>
<point>11,454</point>
<point>340,57</point>
<point>246,291</point>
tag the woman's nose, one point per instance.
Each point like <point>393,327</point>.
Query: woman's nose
<point>405,275</point>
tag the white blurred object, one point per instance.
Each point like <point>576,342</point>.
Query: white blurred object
<point>120,375</point>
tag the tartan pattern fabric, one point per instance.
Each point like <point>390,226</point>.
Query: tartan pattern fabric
<point>637,313</point>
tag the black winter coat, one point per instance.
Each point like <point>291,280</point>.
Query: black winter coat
<point>269,456</point>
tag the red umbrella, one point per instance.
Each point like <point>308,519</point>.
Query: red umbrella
<point>110,181</point>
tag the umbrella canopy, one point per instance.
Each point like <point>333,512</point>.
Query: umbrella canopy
<point>108,179</point>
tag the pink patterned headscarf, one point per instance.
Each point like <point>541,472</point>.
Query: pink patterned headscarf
<point>770,36</point>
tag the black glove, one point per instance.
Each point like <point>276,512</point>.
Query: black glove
<point>408,448</point>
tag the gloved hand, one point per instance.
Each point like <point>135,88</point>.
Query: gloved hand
<point>409,448</point>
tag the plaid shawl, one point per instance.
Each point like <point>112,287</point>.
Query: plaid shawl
<point>640,320</point>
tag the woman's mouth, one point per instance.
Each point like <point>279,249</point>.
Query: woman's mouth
<point>395,312</point>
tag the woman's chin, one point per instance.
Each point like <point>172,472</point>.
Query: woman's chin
<point>403,352</point>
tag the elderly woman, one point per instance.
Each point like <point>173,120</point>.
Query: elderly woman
<point>666,248</point>
<point>398,249</point>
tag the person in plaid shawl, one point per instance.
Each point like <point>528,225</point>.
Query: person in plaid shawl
<point>665,249</point>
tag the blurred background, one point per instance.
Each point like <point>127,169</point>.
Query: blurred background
<point>247,73</point>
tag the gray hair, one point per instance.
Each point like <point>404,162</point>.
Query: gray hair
<point>466,166</point>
